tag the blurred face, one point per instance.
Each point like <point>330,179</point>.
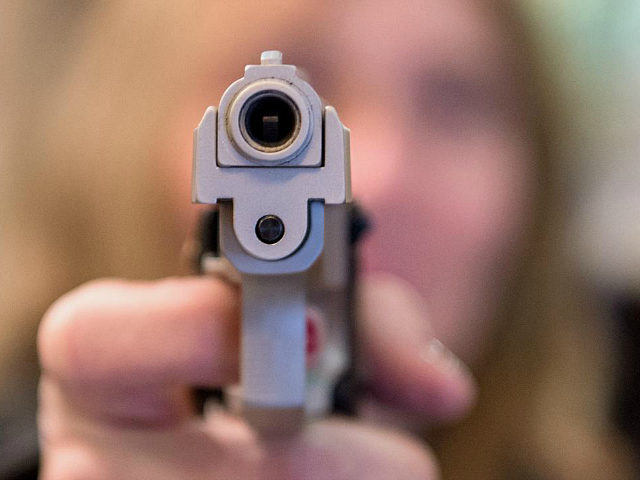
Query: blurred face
<point>441,159</point>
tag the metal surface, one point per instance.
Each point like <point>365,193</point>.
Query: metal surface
<point>291,176</point>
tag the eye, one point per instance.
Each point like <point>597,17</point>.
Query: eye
<point>455,103</point>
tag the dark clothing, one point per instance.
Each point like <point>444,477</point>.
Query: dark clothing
<point>18,449</point>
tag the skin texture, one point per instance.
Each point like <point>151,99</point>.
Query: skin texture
<point>440,154</point>
<point>440,159</point>
<point>117,358</point>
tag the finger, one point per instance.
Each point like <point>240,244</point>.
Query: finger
<point>359,451</point>
<point>405,365</point>
<point>225,447</point>
<point>326,449</point>
<point>125,343</point>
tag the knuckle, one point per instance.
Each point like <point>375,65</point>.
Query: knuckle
<point>71,463</point>
<point>61,331</point>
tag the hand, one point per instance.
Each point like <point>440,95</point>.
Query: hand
<point>118,362</point>
<point>409,370</point>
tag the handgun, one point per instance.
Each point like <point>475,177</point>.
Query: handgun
<point>275,162</point>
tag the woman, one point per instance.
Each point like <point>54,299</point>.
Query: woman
<point>449,154</point>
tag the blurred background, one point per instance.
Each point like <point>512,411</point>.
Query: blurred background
<point>97,97</point>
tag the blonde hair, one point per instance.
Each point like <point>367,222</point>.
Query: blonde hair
<point>91,93</point>
<point>546,383</point>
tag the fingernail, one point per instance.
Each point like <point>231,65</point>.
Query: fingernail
<point>436,353</point>
<point>461,389</point>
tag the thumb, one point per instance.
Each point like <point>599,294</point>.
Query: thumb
<point>403,363</point>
